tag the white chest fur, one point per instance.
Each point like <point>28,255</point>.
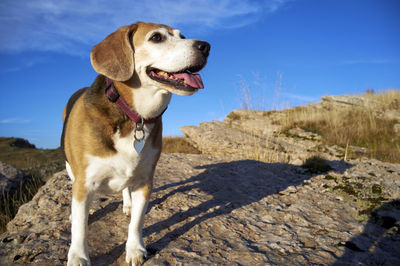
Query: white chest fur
<point>125,167</point>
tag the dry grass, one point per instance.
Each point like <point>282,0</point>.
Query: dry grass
<point>10,202</point>
<point>178,145</point>
<point>357,126</point>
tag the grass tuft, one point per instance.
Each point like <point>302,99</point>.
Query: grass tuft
<point>316,165</point>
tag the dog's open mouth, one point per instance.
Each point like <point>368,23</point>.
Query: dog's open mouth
<point>183,80</point>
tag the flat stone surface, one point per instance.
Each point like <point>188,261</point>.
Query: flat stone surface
<point>213,210</point>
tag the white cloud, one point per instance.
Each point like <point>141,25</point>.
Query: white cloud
<point>14,121</point>
<point>301,98</point>
<point>366,61</point>
<point>72,26</point>
<point>344,62</point>
<point>18,65</point>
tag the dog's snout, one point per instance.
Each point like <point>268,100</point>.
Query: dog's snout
<point>203,47</point>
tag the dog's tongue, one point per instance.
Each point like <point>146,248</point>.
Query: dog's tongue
<point>193,80</point>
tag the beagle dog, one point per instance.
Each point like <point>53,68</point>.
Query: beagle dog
<point>112,130</point>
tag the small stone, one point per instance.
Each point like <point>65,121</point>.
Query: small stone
<point>289,190</point>
<point>185,208</point>
<point>297,162</point>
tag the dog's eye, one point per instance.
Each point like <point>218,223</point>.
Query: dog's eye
<point>156,37</point>
<point>182,37</point>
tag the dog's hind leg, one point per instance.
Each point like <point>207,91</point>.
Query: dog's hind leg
<point>78,252</point>
<point>135,250</point>
<point>127,201</point>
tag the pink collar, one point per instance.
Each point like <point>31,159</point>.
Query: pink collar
<point>113,96</point>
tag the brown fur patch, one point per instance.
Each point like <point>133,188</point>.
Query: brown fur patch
<point>92,122</point>
<point>125,91</point>
<point>147,189</point>
<point>143,29</point>
<point>66,113</point>
<point>113,57</point>
<point>79,191</point>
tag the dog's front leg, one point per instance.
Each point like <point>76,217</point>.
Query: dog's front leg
<point>78,252</point>
<point>135,250</point>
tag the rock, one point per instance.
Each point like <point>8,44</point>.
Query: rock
<point>349,100</point>
<point>215,138</point>
<point>22,143</point>
<point>253,197</point>
<point>301,133</point>
<point>255,135</point>
<point>11,179</point>
<point>339,198</point>
<point>289,190</point>
<point>392,115</point>
<point>358,150</point>
<point>213,210</point>
<point>253,122</point>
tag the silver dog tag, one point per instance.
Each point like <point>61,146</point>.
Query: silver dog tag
<point>138,145</point>
<point>139,135</point>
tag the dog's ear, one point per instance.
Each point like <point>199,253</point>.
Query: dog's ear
<point>114,56</point>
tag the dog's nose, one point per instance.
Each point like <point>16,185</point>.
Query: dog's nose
<point>203,47</point>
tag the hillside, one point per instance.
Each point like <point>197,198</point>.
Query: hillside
<point>25,156</point>
<point>339,127</point>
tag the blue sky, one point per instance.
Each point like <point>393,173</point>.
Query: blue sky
<point>282,52</point>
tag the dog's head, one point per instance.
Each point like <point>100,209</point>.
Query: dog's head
<point>156,55</point>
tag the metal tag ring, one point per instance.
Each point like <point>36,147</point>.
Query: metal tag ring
<point>139,128</point>
<point>136,137</point>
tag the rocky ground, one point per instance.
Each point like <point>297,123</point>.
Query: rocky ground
<point>211,210</point>
<point>220,208</point>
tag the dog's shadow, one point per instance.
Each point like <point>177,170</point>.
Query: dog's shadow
<point>379,240</point>
<point>231,185</point>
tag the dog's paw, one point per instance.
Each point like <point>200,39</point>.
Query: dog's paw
<point>126,209</point>
<point>135,256</point>
<point>75,260</point>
